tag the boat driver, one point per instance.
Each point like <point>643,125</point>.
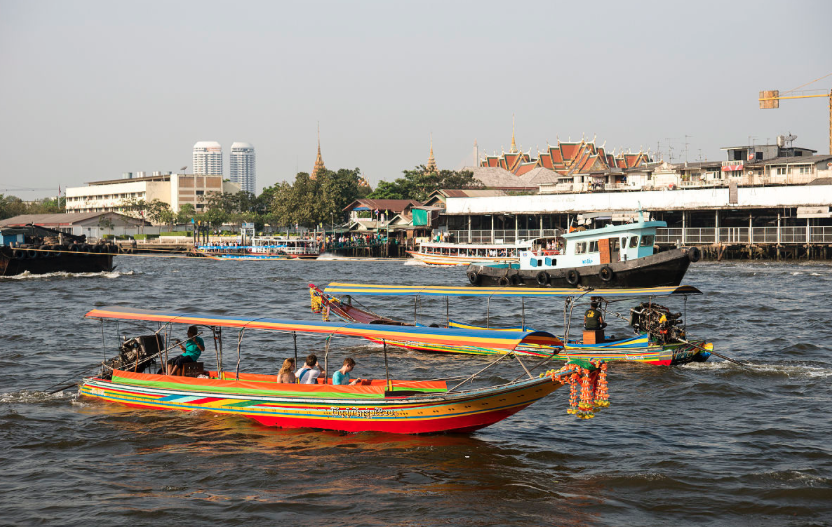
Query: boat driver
<point>192,349</point>
<point>593,318</point>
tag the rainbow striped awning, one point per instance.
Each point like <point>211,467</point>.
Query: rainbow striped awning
<point>409,290</point>
<point>504,340</point>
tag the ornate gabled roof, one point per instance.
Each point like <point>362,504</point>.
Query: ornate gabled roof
<point>566,158</point>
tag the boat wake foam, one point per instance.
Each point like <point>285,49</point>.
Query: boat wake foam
<point>761,368</point>
<point>26,275</point>
<point>27,396</point>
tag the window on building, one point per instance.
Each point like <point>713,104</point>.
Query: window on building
<point>200,192</point>
<point>647,240</point>
<point>780,171</point>
<point>580,248</point>
<point>804,170</point>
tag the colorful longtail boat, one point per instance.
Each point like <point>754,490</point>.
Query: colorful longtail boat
<point>380,405</point>
<point>644,347</point>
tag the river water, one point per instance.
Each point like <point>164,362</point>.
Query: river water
<point>708,443</point>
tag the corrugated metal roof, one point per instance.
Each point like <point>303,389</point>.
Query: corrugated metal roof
<point>66,219</point>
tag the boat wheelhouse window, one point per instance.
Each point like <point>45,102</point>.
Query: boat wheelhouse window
<point>647,240</point>
<point>593,246</point>
<point>634,241</point>
<point>580,248</point>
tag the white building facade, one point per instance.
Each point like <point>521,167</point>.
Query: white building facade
<point>243,166</point>
<point>174,189</point>
<point>208,158</point>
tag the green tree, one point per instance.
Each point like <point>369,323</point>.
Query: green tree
<point>11,206</point>
<point>310,202</point>
<point>419,183</point>
<point>186,213</point>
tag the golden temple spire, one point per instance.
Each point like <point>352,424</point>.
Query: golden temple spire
<point>431,166</point>
<point>513,144</point>
<point>319,161</point>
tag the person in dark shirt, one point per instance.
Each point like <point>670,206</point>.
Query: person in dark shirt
<point>593,318</point>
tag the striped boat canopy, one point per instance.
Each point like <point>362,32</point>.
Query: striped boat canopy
<point>505,340</point>
<point>408,290</point>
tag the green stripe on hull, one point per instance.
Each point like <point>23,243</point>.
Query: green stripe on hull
<point>231,390</point>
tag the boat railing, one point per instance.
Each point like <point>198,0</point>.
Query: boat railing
<point>744,235</point>
<point>499,236</point>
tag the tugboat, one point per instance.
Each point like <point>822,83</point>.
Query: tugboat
<point>39,250</point>
<point>615,256</point>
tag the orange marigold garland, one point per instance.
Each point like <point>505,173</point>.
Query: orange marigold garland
<point>585,407</point>
<point>602,395</point>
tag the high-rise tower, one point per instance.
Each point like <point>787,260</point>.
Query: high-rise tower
<point>242,165</point>
<point>208,158</point>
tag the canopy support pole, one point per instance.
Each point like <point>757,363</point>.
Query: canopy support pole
<point>326,361</point>
<point>239,345</point>
<point>103,341</point>
<point>415,300</point>
<point>219,351</point>
<point>386,369</point>
<point>448,311</point>
<point>295,339</point>
<point>523,312</point>
<point>487,311</point>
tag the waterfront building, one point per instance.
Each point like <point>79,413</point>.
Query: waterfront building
<point>208,158</point>
<point>66,222</point>
<point>243,168</point>
<point>173,189</point>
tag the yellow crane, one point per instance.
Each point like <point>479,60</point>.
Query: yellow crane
<point>770,99</point>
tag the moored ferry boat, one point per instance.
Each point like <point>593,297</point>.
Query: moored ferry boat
<point>614,256</point>
<point>445,253</point>
<point>264,248</point>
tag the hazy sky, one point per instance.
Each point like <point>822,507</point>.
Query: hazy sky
<point>91,89</point>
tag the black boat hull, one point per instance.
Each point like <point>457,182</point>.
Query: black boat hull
<point>662,269</point>
<point>43,263</point>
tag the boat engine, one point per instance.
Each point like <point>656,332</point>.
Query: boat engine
<point>133,355</point>
<point>663,326</point>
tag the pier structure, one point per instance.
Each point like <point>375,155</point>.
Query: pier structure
<point>777,222</point>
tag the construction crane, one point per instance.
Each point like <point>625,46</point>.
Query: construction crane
<point>770,99</point>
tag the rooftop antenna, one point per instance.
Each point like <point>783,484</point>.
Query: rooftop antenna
<point>686,147</point>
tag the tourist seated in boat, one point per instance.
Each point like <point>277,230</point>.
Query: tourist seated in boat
<point>342,376</point>
<point>287,372</point>
<point>593,318</point>
<point>310,372</point>
<point>192,349</point>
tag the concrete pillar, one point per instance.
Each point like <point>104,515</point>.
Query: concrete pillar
<point>516,227</point>
<point>778,236</point>
<point>716,226</point>
<point>684,227</point>
<point>541,226</point>
<point>469,228</point>
<point>750,230</point>
<point>492,228</point>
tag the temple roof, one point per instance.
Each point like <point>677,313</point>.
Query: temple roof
<point>319,161</point>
